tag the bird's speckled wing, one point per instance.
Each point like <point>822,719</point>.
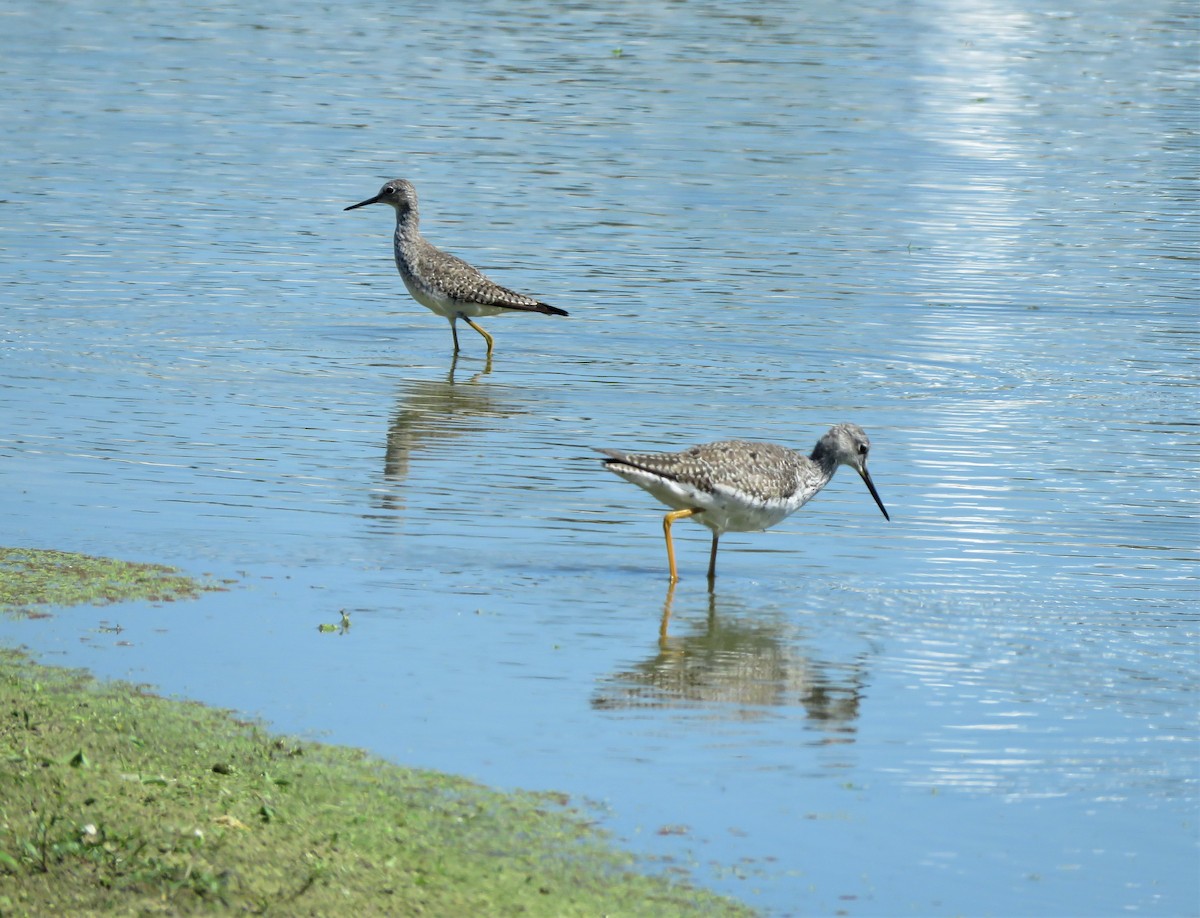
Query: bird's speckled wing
<point>762,471</point>
<point>439,271</point>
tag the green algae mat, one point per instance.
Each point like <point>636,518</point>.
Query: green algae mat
<point>115,801</point>
<point>32,577</point>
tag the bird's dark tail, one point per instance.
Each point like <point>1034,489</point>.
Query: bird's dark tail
<point>547,309</point>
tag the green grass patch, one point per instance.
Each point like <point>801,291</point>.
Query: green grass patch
<point>116,801</point>
<point>31,577</point>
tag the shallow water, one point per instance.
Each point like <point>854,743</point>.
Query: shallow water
<point>968,228</point>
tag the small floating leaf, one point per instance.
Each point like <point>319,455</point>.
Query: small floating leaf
<point>343,626</point>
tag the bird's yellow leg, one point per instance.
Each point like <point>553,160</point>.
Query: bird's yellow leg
<point>454,332</point>
<point>486,336</point>
<point>667,521</point>
<point>712,561</point>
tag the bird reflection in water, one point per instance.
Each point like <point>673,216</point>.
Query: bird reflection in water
<point>431,411</point>
<point>737,667</point>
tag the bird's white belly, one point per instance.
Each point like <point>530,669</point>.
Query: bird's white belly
<point>724,510</point>
<point>445,306</point>
<point>731,513</point>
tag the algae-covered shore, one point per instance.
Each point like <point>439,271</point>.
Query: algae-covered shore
<point>116,801</point>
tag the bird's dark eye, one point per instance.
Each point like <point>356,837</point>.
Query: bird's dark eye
<point>862,449</point>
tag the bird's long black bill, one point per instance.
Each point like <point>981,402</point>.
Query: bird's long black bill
<point>866,477</point>
<point>374,200</point>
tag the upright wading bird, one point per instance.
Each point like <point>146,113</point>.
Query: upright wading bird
<point>441,282</point>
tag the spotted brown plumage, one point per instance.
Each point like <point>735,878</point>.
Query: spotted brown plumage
<point>740,485</point>
<point>441,282</point>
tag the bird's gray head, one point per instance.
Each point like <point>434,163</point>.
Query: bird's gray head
<point>398,192</point>
<point>848,444</point>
